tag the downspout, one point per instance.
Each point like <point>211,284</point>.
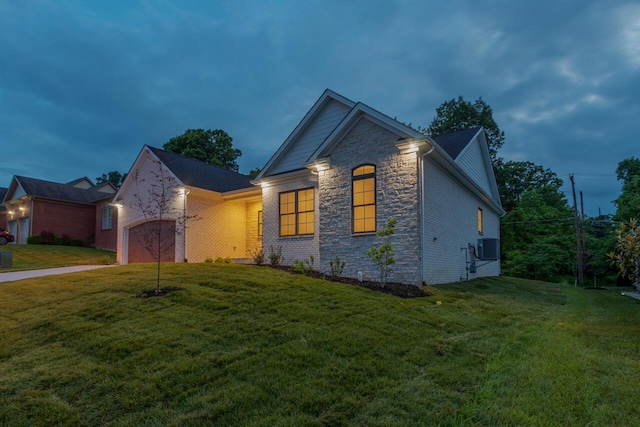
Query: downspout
<point>423,221</point>
<point>30,218</point>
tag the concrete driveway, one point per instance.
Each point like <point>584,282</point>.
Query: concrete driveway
<point>28,274</point>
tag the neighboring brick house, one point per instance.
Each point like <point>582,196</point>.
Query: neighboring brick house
<point>78,209</point>
<point>211,212</point>
<point>3,210</point>
<point>346,169</point>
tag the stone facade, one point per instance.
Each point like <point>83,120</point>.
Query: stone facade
<point>396,197</point>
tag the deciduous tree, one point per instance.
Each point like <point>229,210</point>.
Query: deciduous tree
<point>114,177</point>
<point>211,146</point>
<point>458,114</point>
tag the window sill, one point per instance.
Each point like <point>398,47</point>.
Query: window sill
<point>367,233</point>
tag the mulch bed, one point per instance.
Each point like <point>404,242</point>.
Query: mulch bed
<point>159,293</point>
<point>401,290</point>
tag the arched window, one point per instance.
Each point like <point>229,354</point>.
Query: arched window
<point>363,182</point>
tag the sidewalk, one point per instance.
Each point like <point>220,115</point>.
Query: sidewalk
<point>28,274</point>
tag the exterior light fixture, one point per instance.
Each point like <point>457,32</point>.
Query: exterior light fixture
<point>412,145</point>
<point>318,166</point>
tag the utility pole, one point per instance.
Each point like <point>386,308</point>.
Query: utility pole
<point>577,225</point>
<point>583,227</point>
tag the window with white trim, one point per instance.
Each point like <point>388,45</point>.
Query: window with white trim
<point>107,213</point>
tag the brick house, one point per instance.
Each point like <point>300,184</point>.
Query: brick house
<point>347,168</point>
<point>343,172</point>
<point>78,209</point>
<point>209,212</point>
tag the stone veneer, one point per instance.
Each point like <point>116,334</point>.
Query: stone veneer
<point>396,197</point>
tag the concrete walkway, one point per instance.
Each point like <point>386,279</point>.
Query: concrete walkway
<point>28,274</point>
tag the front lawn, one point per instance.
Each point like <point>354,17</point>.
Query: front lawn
<point>247,345</point>
<point>29,257</point>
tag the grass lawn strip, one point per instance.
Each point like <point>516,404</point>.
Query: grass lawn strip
<point>246,345</point>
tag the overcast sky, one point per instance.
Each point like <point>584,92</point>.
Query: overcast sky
<point>84,84</point>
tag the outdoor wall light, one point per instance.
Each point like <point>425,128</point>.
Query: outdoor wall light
<point>412,145</point>
<point>318,166</point>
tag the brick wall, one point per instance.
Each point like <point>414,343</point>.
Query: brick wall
<point>293,247</point>
<point>254,241</point>
<point>451,225</point>
<point>76,221</point>
<point>218,229</point>
<point>396,197</point>
<point>106,239</point>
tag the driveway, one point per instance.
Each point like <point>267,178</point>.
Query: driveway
<point>28,274</point>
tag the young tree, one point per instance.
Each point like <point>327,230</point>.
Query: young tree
<point>626,257</point>
<point>458,114</point>
<point>158,200</point>
<point>114,177</point>
<point>212,146</point>
<point>384,256</point>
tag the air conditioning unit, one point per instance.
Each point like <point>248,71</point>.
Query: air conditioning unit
<point>488,249</point>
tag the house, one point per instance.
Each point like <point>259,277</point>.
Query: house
<point>343,172</point>
<point>346,169</point>
<point>206,212</point>
<point>3,209</point>
<point>78,209</point>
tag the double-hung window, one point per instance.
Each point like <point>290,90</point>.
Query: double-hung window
<point>297,216</point>
<point>107,212</point>
<point>363,181</point>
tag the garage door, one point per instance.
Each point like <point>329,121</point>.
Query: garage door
<point>145,236</point>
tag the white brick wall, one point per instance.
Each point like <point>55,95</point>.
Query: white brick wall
<point>293,247</point>
<point>131,215</point>
<point>450,225</point>
<point>219,229</point>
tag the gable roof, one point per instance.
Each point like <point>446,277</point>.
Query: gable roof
<point>54,191</point>
<point>199,174</point>
<point>455,142</point>
<point>325,114</point>
<point>464,153</point>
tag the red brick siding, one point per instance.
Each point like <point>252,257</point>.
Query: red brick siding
<point>76,221</point>
<point>106,239</point>
<point>137,246</point>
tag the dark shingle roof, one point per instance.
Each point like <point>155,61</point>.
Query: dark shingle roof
<point>199,174</point>
<point>453,143</point>
<point>54,190</point>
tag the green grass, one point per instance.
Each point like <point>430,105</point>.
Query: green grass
<point>28,257</point>
<point>246,345</point>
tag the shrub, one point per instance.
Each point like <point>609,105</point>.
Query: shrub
<point>336,265</point>
<point>47,237</point>
<point>275,256</point>
<point>209,261</point>
<point>384,256</point>
<point>66,240</point>
<point>305,266</point>
<point>76,242</point>
<point>34,240</point>
<point>258,256</point>
<point>221,260</point>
